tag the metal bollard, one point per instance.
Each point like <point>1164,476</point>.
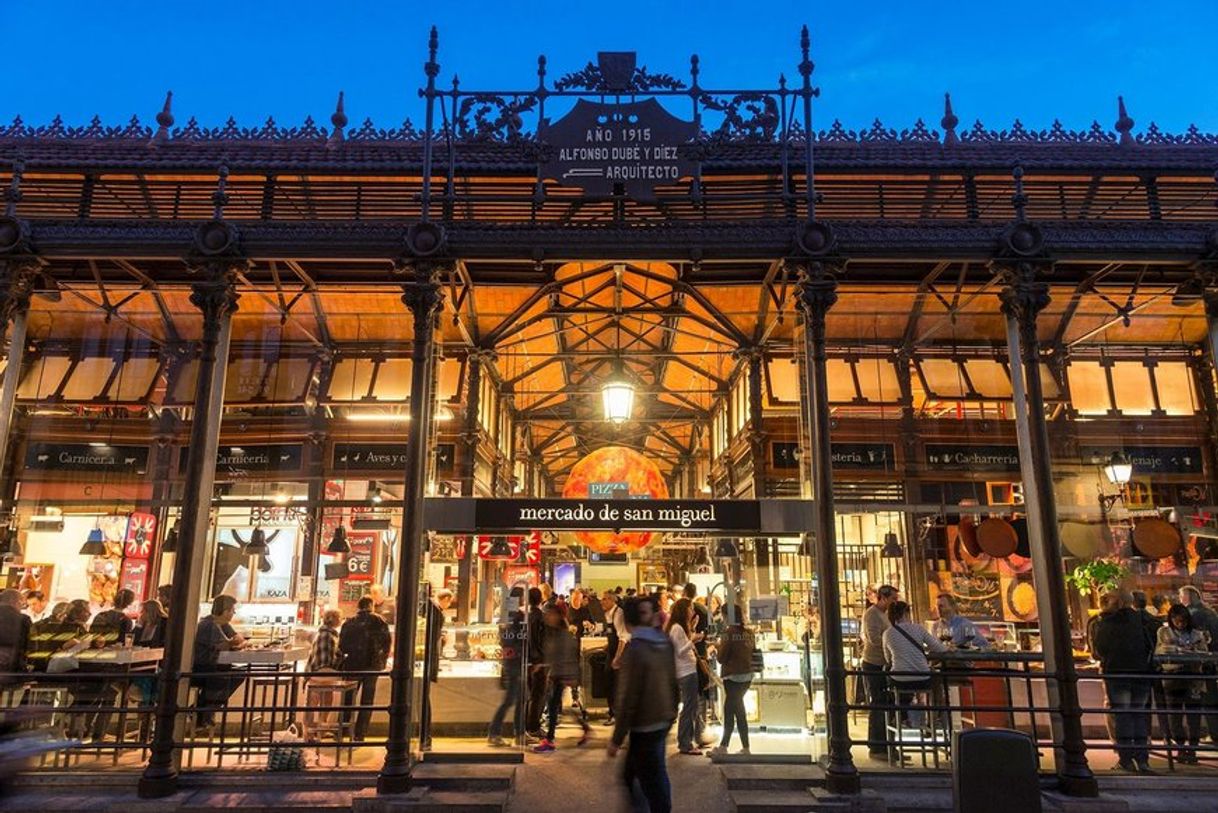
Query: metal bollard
<point>986,759</point>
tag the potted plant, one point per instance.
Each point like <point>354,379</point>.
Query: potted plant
<point>1097,576</point>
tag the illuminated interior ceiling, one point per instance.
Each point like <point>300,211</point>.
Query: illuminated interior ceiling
<point>121,334</point>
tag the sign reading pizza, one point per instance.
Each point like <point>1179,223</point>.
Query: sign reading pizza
<point>634,146</point>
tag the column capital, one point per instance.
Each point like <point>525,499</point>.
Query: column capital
<point>482,355</point>
<point>18,279</point>
<point>422,292</point>
<point>817,286</point>
<point>1024,293</point>
<point>215,292</point>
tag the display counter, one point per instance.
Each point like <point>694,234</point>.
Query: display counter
<point>778,698</point>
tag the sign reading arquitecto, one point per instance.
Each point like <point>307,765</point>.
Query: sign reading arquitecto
<point>240,460</point>
<point>1150,459</point>
<point>369,457</point>
<point>953,457</point>
<point>85,457</point>
<point>635,144</point>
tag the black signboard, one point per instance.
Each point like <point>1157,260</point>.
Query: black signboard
<point>241,460</point>
<point>600,145</point>
<point>857,456</point>
<point>370,456</point>
<point>1151,459</point>
<point>86,457</point>
<point>864,456</point>
<point>942,458</point>
<point>614,515</point>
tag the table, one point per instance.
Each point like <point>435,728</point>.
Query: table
<point>988,689</point>
<point>271,670</point>
<point>121,660</point>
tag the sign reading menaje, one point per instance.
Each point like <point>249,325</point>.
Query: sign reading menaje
<point>635,144</point>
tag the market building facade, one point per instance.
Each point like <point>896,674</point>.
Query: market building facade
<point>299,366</point>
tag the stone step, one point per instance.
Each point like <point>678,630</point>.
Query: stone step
<point>465,776</point>
<point>500,757</point>
<point>427,800</point>
<point>753,776</point>
<point>278,801</point>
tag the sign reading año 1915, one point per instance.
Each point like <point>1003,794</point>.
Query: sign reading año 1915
<point>635,144</point>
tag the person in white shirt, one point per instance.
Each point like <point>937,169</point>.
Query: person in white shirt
<point>616,638</point>
<point>35,605</point>
<point>682,631</point>
<point>905,646</point>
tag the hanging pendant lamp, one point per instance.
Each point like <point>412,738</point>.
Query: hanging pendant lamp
<point>338,542</point>
<point>95,545</point>
<point>617,396</point>
<point>892,547</point>
<point>257,545</point>
<point>726,548</point>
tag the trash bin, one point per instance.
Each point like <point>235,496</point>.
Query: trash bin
<point>994,771</point>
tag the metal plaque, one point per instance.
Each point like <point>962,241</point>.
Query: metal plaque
<point>635,145</point>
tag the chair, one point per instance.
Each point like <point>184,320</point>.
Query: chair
<point>925,740</point>
<point>328,693</point>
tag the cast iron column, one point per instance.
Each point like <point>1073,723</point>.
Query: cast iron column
<point>470,435</point>
<point>817,293</point>
<point>1023,296</point>
<point>16,288</point>
<point>216,296</point>
<point>422,295</point>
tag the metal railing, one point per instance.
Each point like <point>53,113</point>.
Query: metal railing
<point>1129,719</point>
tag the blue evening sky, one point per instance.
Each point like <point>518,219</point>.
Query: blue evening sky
<point>1036,59</point>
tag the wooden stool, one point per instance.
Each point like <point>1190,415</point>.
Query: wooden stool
<point>327,693</point>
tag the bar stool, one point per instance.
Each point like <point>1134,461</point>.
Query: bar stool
<point>924,740</point>
<point>327,693</point>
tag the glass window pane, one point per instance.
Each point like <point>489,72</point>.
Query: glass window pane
<point>393,380</point>
<point>943,378</point>
<point>989,378</point>
<point>1131,382</point>
<point>841,381</point>
<point>784,380</point>
<point>42,377</point>
<point>135,380</point>
<point>350,379</point>
<point>1176,393</point>
<point>88,378</point>
<point>1088,388</point>
<point>878,380</point>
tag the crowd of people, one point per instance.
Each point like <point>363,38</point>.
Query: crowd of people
<point>1130,641</point>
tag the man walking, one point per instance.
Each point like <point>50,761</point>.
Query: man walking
<point>616,638</point>
<point>875,621</point>
<point>535,665</point>
<point>364,643</point>
<point>646,707</point>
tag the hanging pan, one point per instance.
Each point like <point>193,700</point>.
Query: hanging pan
<point>1085,540</point>
<point>997,538</point>
<point>968,535</point>
<point>1156,538</point>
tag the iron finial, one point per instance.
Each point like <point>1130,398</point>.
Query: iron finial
<point>693,69</point>
<point>782,81</point>
<point>806,65</point>
<point>949,121</point>
<point>164,119</point>
<point>339,120</point>
<point>220,197</point>
<point>1019,200</point>
<point>432,68</point>
<point>541,70</point>
<point>1124,124</point>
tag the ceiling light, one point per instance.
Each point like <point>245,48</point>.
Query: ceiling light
<point>282,497</point>
<point>375,495</point>
<point>726,549</point>
<point>444,414</point>
<point>892,547</point>
<point>97,444</point>
<point>617,394</point>
<point>338,542</point>
<point>95,545</point>
<point>257,545</point>
<point>1119,469</point>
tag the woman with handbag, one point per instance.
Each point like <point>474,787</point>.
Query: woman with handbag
<point>682,631</point>
<point>735,649</point>
<point>1183,695</point>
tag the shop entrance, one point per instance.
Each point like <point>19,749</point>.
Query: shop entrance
<point>475,689</point>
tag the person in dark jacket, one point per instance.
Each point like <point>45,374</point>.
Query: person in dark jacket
<point>1204,618</point>
<point>646,706</point>
<point>364,643</point>
<point>1123,648</point>
<point>536,666</point>
<point>735,650</point>
<point>435,646</point>
<point>561,651</point>
<point>513,638</point>
<point>14,636</point>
